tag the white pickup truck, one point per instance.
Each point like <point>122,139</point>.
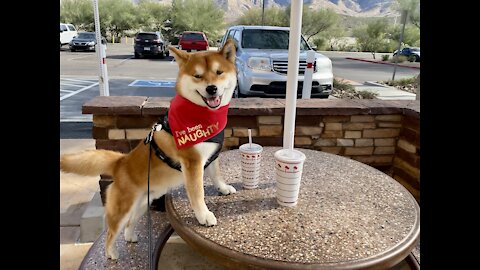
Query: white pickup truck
<point>67,33</point>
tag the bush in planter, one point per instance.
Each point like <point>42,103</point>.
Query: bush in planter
<point>385,57</point>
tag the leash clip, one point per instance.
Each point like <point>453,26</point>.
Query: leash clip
<point>149,138</point>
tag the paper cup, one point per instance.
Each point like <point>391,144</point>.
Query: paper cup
<point>251,158</point>
<point>288,173</point>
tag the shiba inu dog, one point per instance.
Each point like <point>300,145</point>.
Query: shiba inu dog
<point>190,140</point>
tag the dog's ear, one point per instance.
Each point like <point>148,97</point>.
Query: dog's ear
<point>228,51</point>
<point>180,56</point>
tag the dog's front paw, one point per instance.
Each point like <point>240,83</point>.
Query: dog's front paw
<point>206,218</point>
<point>132,238</point>
<point>227,189</point>
<point>112,253</point>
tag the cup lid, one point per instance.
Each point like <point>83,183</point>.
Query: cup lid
<point>254,148</point>
<point>289,155</point>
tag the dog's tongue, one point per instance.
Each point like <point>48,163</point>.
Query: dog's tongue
<point>213,101</point>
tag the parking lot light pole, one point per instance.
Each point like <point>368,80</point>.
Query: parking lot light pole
<point>101,55</point>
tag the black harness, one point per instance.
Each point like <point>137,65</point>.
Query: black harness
<point>170,162</point>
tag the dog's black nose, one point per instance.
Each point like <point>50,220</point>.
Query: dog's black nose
<point>212,89</point>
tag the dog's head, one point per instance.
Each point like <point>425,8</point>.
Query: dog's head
<point>207,78</point>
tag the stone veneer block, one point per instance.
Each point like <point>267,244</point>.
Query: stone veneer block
<point>389,124</point>
<point>243,132</point>
<point>231,141</point>
<point>384,150</point>
<point>269,120</point>
<point>411,136</point>
<point>302,141</point>
<point>381,133</point>
<point>270,130</point>
<point>333,126</point>
<point>228,132</point>
<point>306,130</point>
<point>326,142</point>
<point>358,126</point>
<point>106,121</point>
<point>353,134</point>
<point>389,117</point>
<point>264,141</point>
<point>344,142</point>
<point>377,106</point>
<point>352,151</point>
<point>118,105</point>
<point>156,106</point>
<point>384,142</point>
<point>332,134</point>
<point>137,134</point>
<point>411,158</point>
<point>137,121</point>
<point>116,134</point>
<point>412,171</point>
<point>363,142</point>
<point>406,146</point>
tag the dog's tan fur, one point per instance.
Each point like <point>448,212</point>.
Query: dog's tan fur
<point>126,196</point>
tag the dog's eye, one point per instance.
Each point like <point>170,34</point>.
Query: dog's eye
<point>197,76</point>
<point>219,72</point>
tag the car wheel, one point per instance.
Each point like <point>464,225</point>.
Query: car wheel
<point>137,55</point>
<point>161,55</point>
<point>417,59</point>
<point>167,54</point>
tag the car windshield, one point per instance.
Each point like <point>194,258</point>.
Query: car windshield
<point>268,39</point>
<point>146,36</point>
<point>86,35</point>
<point>192,36</point>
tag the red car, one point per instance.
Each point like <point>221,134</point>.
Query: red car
<point>193,41</point>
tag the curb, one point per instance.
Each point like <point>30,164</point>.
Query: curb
<point>376,62</point>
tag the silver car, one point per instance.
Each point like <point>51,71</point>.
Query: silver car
<point>262,58</point>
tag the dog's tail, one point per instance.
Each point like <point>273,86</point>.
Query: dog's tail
<point>90,162</point>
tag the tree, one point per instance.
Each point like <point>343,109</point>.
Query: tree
<point>78,13</point>
<point>151,16</point>
<point>315,22</point>
<point>197,15</point>
<point>411,35</point>
<point>371,37</point>
<point>273,16</point>
<point>119,16</point>
<point>413,8</point>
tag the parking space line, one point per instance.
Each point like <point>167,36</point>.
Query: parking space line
<point>126,59</point>
<point>80,57</point>
<point>71,84</point>
<point>80,81</point>
<point>68,91</point>
<point>78,91</point>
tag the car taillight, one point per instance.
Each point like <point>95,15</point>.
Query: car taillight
<point>156,41</point>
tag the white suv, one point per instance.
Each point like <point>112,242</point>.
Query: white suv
<point>67,33</point>
<point>262,58</point>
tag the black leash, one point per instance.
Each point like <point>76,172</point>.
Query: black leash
<point>149,219</point>
<point>149,223</point>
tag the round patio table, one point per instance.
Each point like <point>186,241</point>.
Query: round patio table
<point>349,216</point>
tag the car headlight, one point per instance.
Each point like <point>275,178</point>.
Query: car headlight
<point>91,43</point>
<point>259,63</point>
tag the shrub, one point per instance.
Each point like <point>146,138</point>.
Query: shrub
<point>401,59</point>
<point>365,94</point>
<point>401,82</point>
<point>411,58</point>
<point>385,57</point>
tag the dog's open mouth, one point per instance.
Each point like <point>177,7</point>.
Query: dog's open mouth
<point>212,102</point>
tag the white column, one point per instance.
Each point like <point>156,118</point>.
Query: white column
<point>101,55</point>
<point>292,73</point>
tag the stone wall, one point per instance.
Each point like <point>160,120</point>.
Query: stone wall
<point>380,133</point>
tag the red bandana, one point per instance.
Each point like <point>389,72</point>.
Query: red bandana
<point>192,124</point>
